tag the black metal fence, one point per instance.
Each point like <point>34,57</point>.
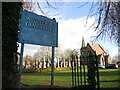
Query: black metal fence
<point>85,72</point>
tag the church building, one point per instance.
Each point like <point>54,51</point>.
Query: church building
<point>102,56</point>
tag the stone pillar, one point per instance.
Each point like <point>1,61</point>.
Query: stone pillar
<point>69,63</point>
<point>54,65</point>
<point>61,64</point>
<point>78,60</point>
<point>58,62</point>
<point>48,64</point>
<point>44,63</point>
<point>64,62</point>
<point>40,64</point>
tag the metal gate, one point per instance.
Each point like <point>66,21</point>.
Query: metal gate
<point>85,72</point>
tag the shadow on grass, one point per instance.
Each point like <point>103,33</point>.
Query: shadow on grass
<point>49,74</point>
<point>111,73</point>
<point>111,81</point>
<point>24,86</point>
<point>47,86</point>
<point>108,73</point>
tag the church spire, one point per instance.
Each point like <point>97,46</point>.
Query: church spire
<point>83,42</point>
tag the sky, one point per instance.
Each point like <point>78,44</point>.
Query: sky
<point>71,27</point>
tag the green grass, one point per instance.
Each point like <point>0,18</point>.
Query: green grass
<point>108,78</point>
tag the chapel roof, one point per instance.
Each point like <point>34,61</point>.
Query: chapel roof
<point>99,50</point>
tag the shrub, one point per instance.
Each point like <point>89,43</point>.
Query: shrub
<point>44,70</point>
<point>36,70</point>
<point>28,70</point>
<point>63,69</point>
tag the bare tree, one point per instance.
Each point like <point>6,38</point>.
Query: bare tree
<point>70,54</point>
<point>107,13</point>
<point>43,52</point>
<point>45,9</point>
<point>28,59</point>
<point>107,22</point>
<point>58,51</point>
<point>115,58</point>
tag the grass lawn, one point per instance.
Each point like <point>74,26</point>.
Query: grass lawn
<point>108,79</point>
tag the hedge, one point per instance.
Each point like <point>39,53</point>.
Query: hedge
<point>44,70</point>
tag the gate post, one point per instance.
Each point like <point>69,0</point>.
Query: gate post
<point>91,71</point>
<point>98,81</point>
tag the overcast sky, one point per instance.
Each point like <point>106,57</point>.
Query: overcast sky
<point>71,27</point>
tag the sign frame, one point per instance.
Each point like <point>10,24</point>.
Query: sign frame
<point>38,30</point>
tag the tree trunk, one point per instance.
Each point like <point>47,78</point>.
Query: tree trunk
<point>10,26</point>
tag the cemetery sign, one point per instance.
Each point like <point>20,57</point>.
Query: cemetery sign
<point>39,30</point>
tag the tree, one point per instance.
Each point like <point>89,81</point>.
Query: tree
<point>107,22</point>
<point>70,54</point>
<point>11,13</point>
<point>33,5</point>
<point>115,58</point>
<point>10,26</point>
<point>111,19</point>
<point>58,51</point>
<point>43,52</point>
<point>27,59</point>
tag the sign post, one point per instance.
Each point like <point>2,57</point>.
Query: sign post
<point>38,30</point>
<point>20,66</point>
<point>52,69</point>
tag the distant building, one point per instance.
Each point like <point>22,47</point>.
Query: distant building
<point>102,56</point>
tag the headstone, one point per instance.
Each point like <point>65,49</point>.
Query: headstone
<point>48,64</point>
<point>58,62</point>
<point>40,64</point>
<point>44,63</point>
<point>54,65</point>
<point>78,60</point>
<point>69,63</point>
<point>64,62</point>
<point>61,64</point>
